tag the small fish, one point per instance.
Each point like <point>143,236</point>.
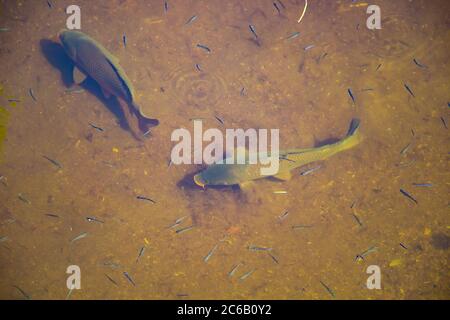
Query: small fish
<point>124,40</point>
<point>13,100</point>
<point>256,248</point>
<point>210,253</point>
<point>54,162</point>
<point>111,279</point>
<point>276,7</point>
<point>27,296</point>
<point>444,123</point>
<point>246,275</point>
<point>403,246</point>
<point>23,199</point>
<point>49,4</point>
<point>145,199</point>
<point>179,231</point>
<point>308,47</point>
<point>405,148</point>
<point>233,270</point>
<point>253,30</point>
<point>243,91</point>
<point>177,222</point>
<point>52,215</point>
<point>409,90</point>
<point>141,252</point>
<point>273,258</point>
<point>309,171</point>
<point>4,29</point>
<point>112,265</point>
<point>328,289</point>
<point>129,278</point>
<point>219,119</point>
<point>422,184</point>
<point>283,216</point>
<point>357,219</point>
<point>361,256</point>
<point>197,66</point>
<point>378,67</point>
<point>281,4</point>
<point>301,226</point>
<point>94,219</point>
<point>3,239</point>
<point>293,35</point>
<point>96,127</point>
<point>191,19</point>
<point>81,236</point>
<point>419,64</point>
<point>31,92</point>
<point>406,194</point>
<point>350,93</point>
<point>166,6</point>
<point>204,47</point>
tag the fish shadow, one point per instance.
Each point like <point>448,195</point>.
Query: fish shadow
<point>56,56</point>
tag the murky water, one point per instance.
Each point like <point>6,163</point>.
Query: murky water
<point>351,204</point>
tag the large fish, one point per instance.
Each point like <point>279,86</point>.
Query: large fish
<point>93,60</point>
<point>223,174</point>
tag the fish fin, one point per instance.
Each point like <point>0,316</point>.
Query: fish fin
<point>106,94</point>
<point>78,76</point>
<point>285,175</point>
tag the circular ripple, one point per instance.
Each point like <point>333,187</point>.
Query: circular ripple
<point>195,88</point>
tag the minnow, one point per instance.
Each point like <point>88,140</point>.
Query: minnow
<point>141,252</point>
<point>81,236</point>
<point>301,226</point>
<point>54,162</point>
<point>129,278</point>
<point>233,270</point>
<point>293,35</point>
<point>94,219</point>
<point>422,184</point>
<point>283,216</point>
<point>403,246</point>
<point>52,215</point>
<point>243,91</point>
<point>219,119</point>
<point>308,47</point>
<point>253,30</point>
<point>96,127</point>
<point>444,123</point>
<point>276,7</point>
<point>31,92</point>
<point>93,60</point>
<point>197,66</point>
<point>210,253</point>
<point>273,258</point>
<point>255,248</point>
<point>246,275</point>
<point>124,40</point>
<point>177,222</point>
<point>202,46</point>
<point>3,239</point>
<point>49,4</point>
<point>406,194</point>
<point>350,93</point>
<point>331,292</point>
<point>23,199</point>
<point>111,264</point>
<point>353,204</point>
<point>179,231</point>
<point>365,253</point>
<point>405,148</point>
<point>419,64</point>
<point>145,199</point>
<point>366,89</point>
<point>309,171</point>
<point>282,4</point>
<point>357,219</point>
<point>111,279</point>
<point>166,6</point>
<point>409,90</point>
<point>228,173</point>
<point>27,296</point>
<point>378,67</point>
<point>13,100</point>
<point>191,19</point>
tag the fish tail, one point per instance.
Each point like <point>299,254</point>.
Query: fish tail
<point>352,139</point>
<point>145,123</point>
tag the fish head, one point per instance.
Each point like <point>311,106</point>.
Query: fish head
<point>69,40</point>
